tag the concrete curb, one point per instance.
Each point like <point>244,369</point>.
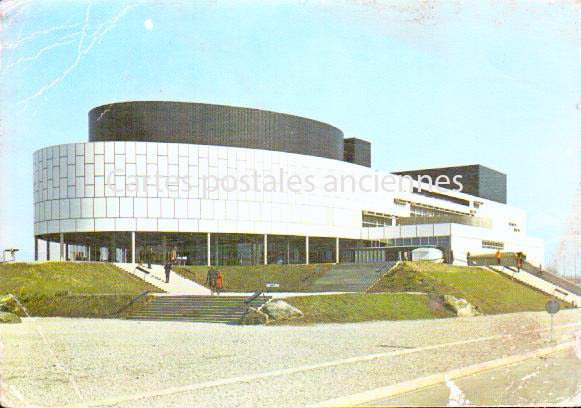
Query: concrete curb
<point>424,382</point>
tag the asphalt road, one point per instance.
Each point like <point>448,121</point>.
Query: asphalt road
<point>91,362</point>
<point>551,380</point>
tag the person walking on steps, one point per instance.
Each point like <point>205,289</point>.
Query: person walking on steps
<point>211,280</point>
<point>219,282</point>
<point>149,255</point>
<point>498,256</point>
<point>167,268</point>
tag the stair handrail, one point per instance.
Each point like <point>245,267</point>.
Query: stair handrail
<point>252,298</point>
<point>383,271</point>
<point>556,280</point>
<point>555,287</point>
<point>132,301</point>
<point>382,268</point>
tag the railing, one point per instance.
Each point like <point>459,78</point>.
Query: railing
<point>508,261</point>
<point>252,298</point>
<point>552,278</point>
<point>142,269</point>
<point>132,301</point>
<point>382,271</point>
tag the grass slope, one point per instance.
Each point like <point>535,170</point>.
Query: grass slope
<point>85,289</point>
<point>74,277</point>
<point>291,278</point>
<point>490,291</point>
<point>359,307</point>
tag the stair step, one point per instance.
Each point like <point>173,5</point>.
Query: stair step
<point>188,320</point>
<point>170,316</point>
<point>353,277</point>
<point>190,308</point>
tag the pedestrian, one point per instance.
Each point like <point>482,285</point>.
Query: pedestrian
<point>210,280</point>
<point>468,258</point>
<point>167,268</point>
<point>219,282</point>
<point>174,254</point>
<point>451,261</point>
<point>498,256</point>
<point>149,255</point>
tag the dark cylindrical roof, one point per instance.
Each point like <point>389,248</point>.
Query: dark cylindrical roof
<point>199,123</point>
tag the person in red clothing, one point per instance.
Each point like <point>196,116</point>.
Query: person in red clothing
<point>498,256</point>
<point>219,282</point>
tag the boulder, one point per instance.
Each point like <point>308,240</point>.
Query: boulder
<point>6,317</point>
<point>254,316</point>
<point>280,310</point>
<point>461,306</point>
<point>9,304</point>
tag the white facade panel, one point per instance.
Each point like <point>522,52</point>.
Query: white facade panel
<point>87,208</point>
<point>67,225</point>
<point>87,225</point>
<point>140,207</point>
<point>125,224</point>
<point>112,207</point>
<point>181,208</point>
<point>167,224</point>
<point>74,208</point>
<point>100,207</point>
<point>442,229</point>
<point>104,224</point>
<point>126,207</point>
<point>146,224</point>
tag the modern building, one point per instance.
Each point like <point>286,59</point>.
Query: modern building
<point>227,185</point>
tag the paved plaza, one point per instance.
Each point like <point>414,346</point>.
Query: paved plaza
<point>91,362</point>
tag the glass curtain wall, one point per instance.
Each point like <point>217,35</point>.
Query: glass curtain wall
<point>286,249</point>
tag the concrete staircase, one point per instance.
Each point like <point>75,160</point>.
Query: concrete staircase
<point>210,309</point>
<point>156,276</point>
<point>351,277</point>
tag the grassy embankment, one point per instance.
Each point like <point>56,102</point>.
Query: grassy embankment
<point>99,290</point>
<point>84,289</point>
<point>360,307</point>
<point>291,278</point>
<point>490,292</point>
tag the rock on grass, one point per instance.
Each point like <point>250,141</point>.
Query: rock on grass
<point>461,306</point>
<point>280,310</point>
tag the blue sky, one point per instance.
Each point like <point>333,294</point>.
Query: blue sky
<point>428,83</point>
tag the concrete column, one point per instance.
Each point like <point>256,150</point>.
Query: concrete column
<point>265,249</point>
<point>337,250</point>
<point>35,249</point>
<point>47,250</point>
<point>307,250</point>
<point>133,247</point>
<point>112,250</point>
<point>209,247</point>
<point>393,221</point>
<point>62,246</point>
<point>163,249</point>
<point>88,249</point>
<point>67,252</point>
